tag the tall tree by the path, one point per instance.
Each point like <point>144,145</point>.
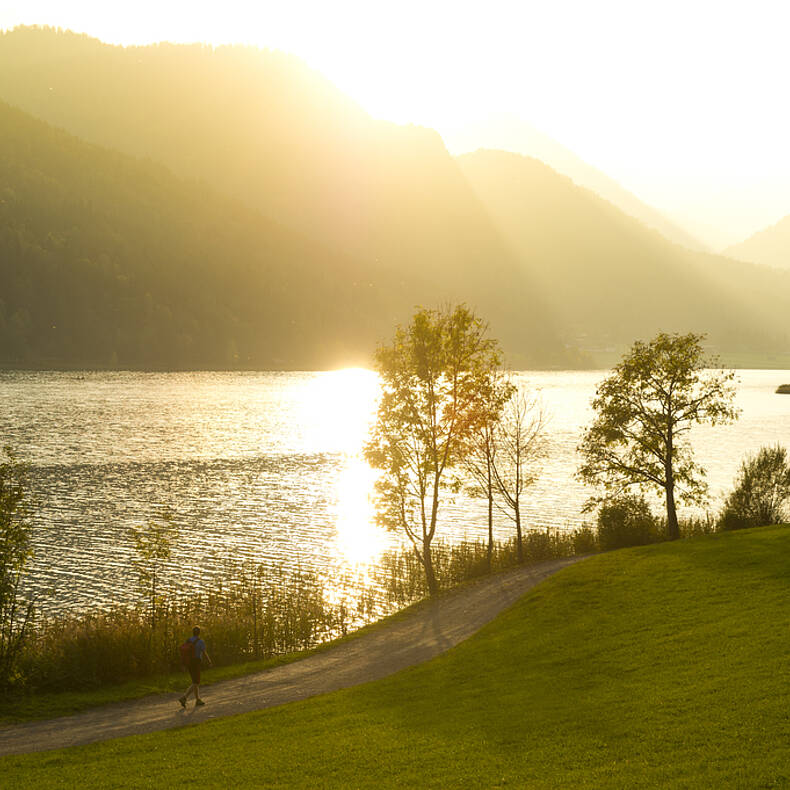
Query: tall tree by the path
<point>436,375</point>
<point>643,413</point>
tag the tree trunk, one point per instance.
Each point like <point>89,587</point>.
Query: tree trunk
<point>490,516</point>
<point>673,529</point>
<point>519,541</point>
<point>427,564</point>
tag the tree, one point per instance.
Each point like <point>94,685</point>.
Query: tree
<point>643,413</point>
<point>520,445</point>
<point>153,544</point>
<point>479,455</point>
<point>504,455</point>
<point>435,378</point>
<point>16,612</point>
<point>761,490</point>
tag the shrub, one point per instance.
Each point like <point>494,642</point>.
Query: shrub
<point>585,540</point>
<point>761,491</point>
<point>626,521</point>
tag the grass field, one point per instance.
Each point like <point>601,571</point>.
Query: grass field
<point>663,666</point>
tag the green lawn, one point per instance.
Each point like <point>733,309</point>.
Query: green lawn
<point>664,666</point>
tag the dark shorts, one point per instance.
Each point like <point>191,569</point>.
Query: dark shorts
<point>194,669</point>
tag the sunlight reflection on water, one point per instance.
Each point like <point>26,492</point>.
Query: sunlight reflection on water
<point>267,467</point>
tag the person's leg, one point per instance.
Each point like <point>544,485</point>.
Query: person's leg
<point>194,671</point>
<point>193,688</point>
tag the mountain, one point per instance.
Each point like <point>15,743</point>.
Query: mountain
<point>105,260</point>
<point>505,131</point>
<point>770,246</point>
<point>361,219</point>
<point>608,278</point>
<point>263,128</point>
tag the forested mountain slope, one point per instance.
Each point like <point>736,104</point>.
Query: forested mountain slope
<point>108,261</point>
<point>608,278</point>
<point>263,128</point>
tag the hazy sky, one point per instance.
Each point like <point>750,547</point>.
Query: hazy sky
<point>684,103</point>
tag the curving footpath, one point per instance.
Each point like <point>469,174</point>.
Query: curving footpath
<point>429,631</point>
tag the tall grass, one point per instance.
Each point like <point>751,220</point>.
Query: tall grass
<point>252,615</point>
<point>255,613</point>
<point>401,578</point>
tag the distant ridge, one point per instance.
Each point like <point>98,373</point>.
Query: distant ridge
<point>609,278</point>
<point>509,133</point>
<point>770,246</point>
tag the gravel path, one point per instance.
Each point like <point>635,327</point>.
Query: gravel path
<point>430,630</point>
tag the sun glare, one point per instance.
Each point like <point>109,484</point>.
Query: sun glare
<point>337,408</point>
<point>359,539</point>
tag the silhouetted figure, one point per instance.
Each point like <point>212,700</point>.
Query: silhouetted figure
<point>195,659</point>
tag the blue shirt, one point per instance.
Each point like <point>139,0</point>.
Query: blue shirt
<point>199,646</point>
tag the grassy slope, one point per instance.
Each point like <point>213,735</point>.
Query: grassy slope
<point>664,666</point>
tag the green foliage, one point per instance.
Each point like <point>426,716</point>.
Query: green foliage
<point>643,412</point>
<point>695,526</point>
<point>436,377</point>
<point>16,612</point>
<point>761,492</point>
<point>626,521</point>
<point>585,541</point>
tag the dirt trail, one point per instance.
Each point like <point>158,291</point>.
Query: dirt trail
<point>422,635</point>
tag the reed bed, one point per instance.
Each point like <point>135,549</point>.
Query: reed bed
<point>256,613</point>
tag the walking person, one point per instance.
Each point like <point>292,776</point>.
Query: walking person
<point>193,665</point>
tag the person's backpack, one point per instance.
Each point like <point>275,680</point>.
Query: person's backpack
<point>187,651</point>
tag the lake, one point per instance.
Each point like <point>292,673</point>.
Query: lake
<point>267,467</point>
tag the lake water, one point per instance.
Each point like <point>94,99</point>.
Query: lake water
<point>267,467</point>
